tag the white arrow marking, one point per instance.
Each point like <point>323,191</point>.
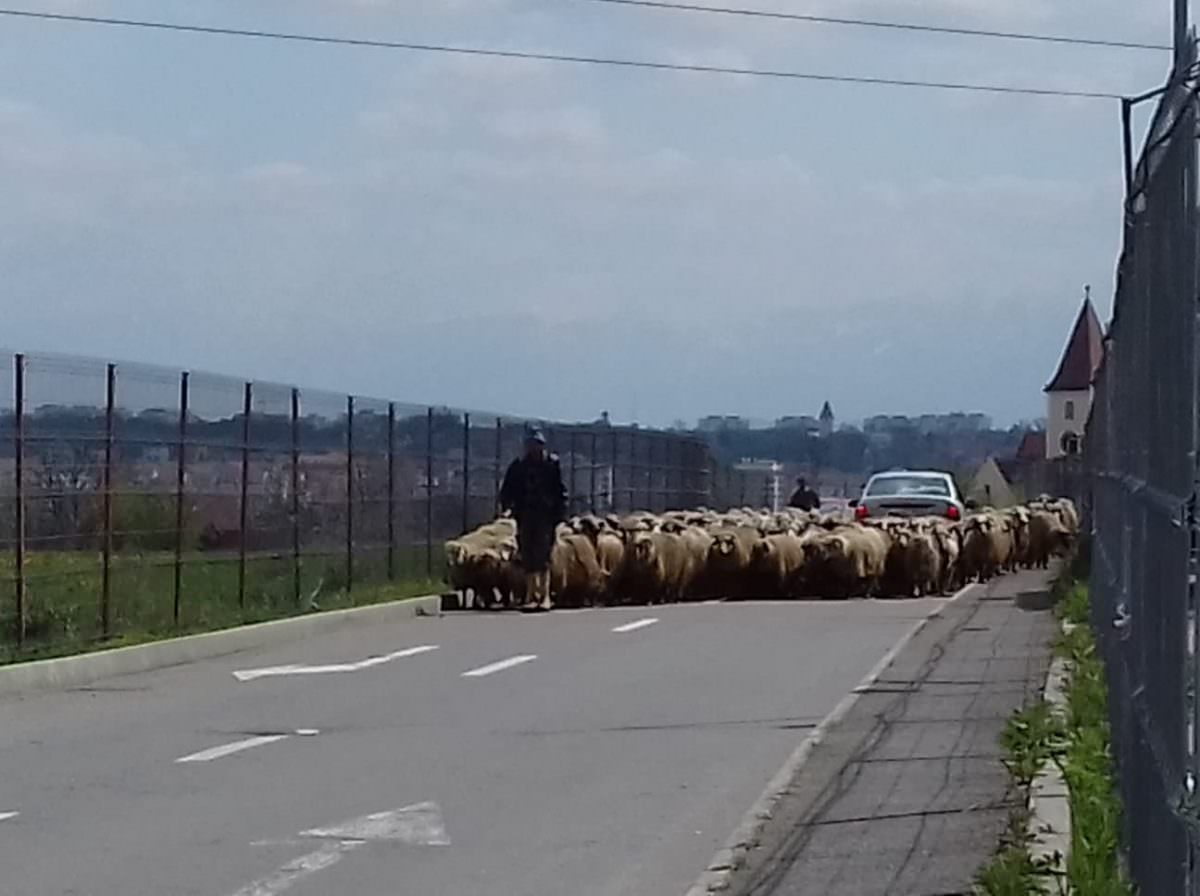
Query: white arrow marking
<point>634,626</point>
<point>5,816</point>
<point>298,869</point>
<point>299,669</point>
<point>492,668</point>
<point>419,824</point>
<point>236,747</point>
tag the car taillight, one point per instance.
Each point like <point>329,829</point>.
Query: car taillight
<point>861,512</point>
<point>952,513</point>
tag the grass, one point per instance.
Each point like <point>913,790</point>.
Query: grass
<point>63,590</point>
<point>1093,868</point>
<point>1080,745</point>
<point>1030,739</point>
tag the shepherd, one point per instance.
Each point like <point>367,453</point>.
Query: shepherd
<point>534,492</point>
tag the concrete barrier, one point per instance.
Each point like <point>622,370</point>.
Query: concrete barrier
<point>85,668</point>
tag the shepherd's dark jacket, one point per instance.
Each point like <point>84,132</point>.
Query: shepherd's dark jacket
<point>534,491</point>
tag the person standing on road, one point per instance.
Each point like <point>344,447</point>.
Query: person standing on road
<point>534,492</point>
<point>803,497</point>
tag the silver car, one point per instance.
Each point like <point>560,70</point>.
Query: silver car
<point>910,493</point>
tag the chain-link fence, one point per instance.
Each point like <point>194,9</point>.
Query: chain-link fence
<point>1141,462</point>
<point>136,500</point>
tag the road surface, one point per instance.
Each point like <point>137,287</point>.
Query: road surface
<point>607,752</point>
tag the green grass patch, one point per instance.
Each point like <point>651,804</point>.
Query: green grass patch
<point>1093,868</point>
<point>63,595</point>
<point>1080,744</point>
<point>1031,738</point>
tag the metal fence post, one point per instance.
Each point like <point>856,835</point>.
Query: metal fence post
<point>391,493</point>
<point>247,398</point>
<point>592,482</point>
<point>742,477</point>
<point>496,470</point>
<point>651,485</point>
<point>349,493</point>
<point>110,397</point>
<point>429,493</point>
<point>180,484</point>
<point>19,473</point>
<point>295,427</point>
<point>574,449</point>
<point>614,504</point>
<point>632,477</point>
<point>466,508</point>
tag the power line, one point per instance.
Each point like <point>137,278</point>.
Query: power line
<point>558,57</point>
<point>895,26</point>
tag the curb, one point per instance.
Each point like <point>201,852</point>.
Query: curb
<point>730,857</point>
<point>85,668</point>
<point>1049,798</point>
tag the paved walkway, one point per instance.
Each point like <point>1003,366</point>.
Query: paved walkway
<point>908,797</point>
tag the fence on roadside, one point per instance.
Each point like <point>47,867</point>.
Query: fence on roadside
<point>136,499</point>
<point>1141,458</point>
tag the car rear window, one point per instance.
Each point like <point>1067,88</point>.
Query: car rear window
<point>909,485</point>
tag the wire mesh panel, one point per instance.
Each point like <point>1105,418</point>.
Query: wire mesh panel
<point>211,494</point>
<point>326,567</point>
<point>412,557</point>
<point>372,498</point>
<point>141,500</point>
<point>1141,501</point>
<point>10,628</point>
<point>63,484</point>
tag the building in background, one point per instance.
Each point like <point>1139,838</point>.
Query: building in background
<point>827,420</point>
<point>723,423</point>
<point>760,483</point>
<point>802,424</point>
<point>1069,392</point>
<point>990,486</point>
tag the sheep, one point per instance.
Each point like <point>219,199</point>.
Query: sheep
<point>729,560</point>
<point>847,561</point>
<point>659,563</point>
<point>777,561</point>
<point>575,574</point>
<point>981,556</point>
<point>744,553</point>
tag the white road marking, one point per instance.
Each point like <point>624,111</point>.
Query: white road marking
<point>419,825</point>
<point>500,666</point>
<point>300,669</point>
<point>298,869</point>
<point>634,626</point>
<point>5,816</point>
<point>235,747</point>
<point>308,732</point>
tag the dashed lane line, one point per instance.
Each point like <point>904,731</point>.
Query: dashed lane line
<point>634,626</point>
<point>229,749</point>
<point>5,816</point>
<point>500,666</point>
<point>330,668</point>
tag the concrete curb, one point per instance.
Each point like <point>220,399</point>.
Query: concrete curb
<point>1049,797</point>
<point>729,858</point>
<point>85,668</point>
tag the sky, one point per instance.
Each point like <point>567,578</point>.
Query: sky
<point>551,240</point>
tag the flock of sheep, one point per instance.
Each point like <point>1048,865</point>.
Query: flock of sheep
<point>643,557</point>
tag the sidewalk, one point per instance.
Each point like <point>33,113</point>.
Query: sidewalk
<point>907,796</point>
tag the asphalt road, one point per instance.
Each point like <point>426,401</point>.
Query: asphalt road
<point>573,759</point>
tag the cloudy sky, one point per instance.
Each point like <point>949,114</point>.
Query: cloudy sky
<point>556,240</point>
